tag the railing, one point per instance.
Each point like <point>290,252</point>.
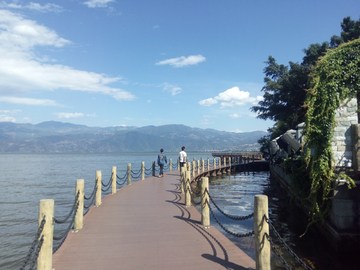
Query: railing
<point>42,248</point>
<point>263,242</point>
<point>47,243</point>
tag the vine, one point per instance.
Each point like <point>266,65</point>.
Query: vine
<point>334,80</point>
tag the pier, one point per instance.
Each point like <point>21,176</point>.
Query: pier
<point>150,224</point>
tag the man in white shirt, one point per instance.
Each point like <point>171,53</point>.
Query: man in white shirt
<point>182,156</point>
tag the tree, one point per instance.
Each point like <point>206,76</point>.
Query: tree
<point>285,86</point>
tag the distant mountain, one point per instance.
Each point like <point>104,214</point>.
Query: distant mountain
<point>58,137</point>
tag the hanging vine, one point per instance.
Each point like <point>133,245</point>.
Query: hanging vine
<point>334,80</point>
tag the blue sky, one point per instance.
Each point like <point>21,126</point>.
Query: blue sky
<point>152,62</point>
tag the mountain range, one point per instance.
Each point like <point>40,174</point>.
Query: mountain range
<point>58,137</point>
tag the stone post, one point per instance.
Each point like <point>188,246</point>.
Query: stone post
<point>79,215</point>
<point>205,214</point>
<point>46,209</point>
<point>170,165</point>
<point>262,244</point>
<point>98,191</point>
<point>142,170</point>
<point>188,190</point>
<point>113,180</point>
<point>129,174</point>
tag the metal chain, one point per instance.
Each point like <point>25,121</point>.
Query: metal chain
<point>34,244</point>
<point>226,230</point>
<point>136,172</point>
<point>36,254</point>
<point>193,191</point>
<point>63,237</point>
<point>276,251</point>
<point>108,184</point>
<point>122,178</point>
<point>93,192</point>
<point>228,216</point>
<point>91,202</point>
<point>304,265</point>
<point>72,210</point>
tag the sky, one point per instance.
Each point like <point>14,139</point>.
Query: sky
<point>105,63</point>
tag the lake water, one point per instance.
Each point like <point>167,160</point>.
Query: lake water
<point>27,178</point>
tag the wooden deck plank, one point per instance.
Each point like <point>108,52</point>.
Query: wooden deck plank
<point>147,226</point>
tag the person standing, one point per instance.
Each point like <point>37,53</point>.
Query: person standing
<point>161,162</point>
<point>182,156</point>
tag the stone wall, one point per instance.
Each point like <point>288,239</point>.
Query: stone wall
<point>341,144</point>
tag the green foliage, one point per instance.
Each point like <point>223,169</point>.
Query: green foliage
<point>335,79</point>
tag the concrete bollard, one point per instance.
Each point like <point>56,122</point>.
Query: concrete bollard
<point>142,170</point>
<point>79,216</point>
<point>170,165</point>
<point>98,191</point>
<point>129,174</point>
<point>205,213</point>
<point>262,245</point>
<point>44,260</point>
<point>113,180</point>
<point>188,189</point>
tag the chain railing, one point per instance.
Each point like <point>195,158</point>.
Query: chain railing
<point>276,251</point>
<point>35,248</point>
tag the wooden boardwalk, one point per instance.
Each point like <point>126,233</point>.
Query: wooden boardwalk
<point>147,226</point>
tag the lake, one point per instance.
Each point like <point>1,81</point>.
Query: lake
<point>27,178</point>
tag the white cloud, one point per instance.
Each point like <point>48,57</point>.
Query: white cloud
<point>33,6</point>
<point>235,115</point>
<point>183,61</point>
<point>238,131</point>
<point>5,118</point>
<point>69,115</point>
<point>173,89</point>
<point>208,102</point>
<point>21,71</point>
<point>29,101</point>
<point>98,3</point>
<point>10,111</point>
<point>231,98</point>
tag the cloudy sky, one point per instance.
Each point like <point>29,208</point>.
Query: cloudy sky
<point>152,62</point>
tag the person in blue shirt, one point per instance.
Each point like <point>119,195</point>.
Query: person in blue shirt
<point>161,162</point>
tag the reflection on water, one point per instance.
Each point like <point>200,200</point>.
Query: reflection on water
<point>234,194</point>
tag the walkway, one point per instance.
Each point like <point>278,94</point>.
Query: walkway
<point>147,226</point>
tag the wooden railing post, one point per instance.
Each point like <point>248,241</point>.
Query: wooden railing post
<point>188,166</point>
<point>178,164</point>
<point>214,163</point>
<point>208,164</point>
<point>129,174</point>
<point>113,180</point>
<point>44,260</point>
<point>153,168</point>
<point>188,190</point>
<point>98,191</point>
<point>170,165</point>
<point>205,215</point>
<point>262,245</point>
<point>142,170</point>
<point>219,162</point>
<point>182,178</point>
<point>202,165</point>
<point>78,222</point>
<point>193,168</point>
